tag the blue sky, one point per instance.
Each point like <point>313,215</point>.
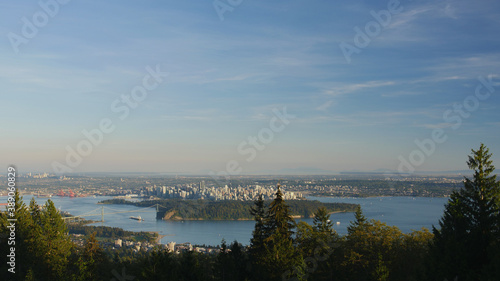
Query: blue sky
<point>226,77</point>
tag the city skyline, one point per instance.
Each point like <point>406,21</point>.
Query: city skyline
<point>252,88</point>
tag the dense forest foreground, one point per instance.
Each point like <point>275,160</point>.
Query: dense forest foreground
<point>465,245</point>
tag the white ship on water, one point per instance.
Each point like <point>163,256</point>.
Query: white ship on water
<point>138,218</point>
<point>39,195</point>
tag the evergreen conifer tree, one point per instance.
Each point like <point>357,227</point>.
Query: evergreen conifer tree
<point>279,220</point>
<point>23,226</point>
<point>282,259</point>
<point>42,243</point>
<point>322,223</point>
<point>359,222</point>
<point>469,228</point>
<point>257,242</point>
<point>258,211</point>
<point>56,241</point>
<point>91,258</point>
<point>321,252</point>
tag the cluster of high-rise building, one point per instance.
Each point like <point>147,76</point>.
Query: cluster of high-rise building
<point>245,188</point>
<point>201,191</point>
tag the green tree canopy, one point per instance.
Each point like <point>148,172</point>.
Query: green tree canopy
<point>469,228</point>
<point>279,256</point>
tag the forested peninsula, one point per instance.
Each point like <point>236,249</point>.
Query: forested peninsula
<point>177,209</point>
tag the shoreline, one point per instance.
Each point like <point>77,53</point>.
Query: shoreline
<point>375,196</point>
<point>158,239</point>
<point>251,219</point>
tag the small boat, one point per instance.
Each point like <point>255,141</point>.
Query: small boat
<point>40,195</point>
<point>137,218</point>
<point>338,223</point>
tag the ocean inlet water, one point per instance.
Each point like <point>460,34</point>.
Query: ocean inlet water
<point>407,213</point>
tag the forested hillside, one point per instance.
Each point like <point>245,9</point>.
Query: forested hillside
<point>176,209</point>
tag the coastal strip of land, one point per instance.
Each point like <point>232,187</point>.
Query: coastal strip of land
<point>176,209</point>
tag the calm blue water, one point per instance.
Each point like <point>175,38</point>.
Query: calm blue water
<point>404,212</point>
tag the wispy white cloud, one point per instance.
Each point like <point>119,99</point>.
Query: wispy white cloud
<point>208,76</point>
<point>400,94</point>
<point>464,67</point>
<point>436,126</point>
<point>240,77</point>
<point>494,124</point>
<point>367,118</point>
<point>407,17</point>
<point>413,24</point>
<point>437,78</point>
<point>450,11</point>
<point>265,112</point>
<point>185,118</point>
<point>208,114</point>
<point>325,105</point>
<point>349,88</point>
<point>36,76</point>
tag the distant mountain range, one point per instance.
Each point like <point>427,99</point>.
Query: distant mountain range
<point>286,171</point>
<point>317,171</point>
<point>392,172</point>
